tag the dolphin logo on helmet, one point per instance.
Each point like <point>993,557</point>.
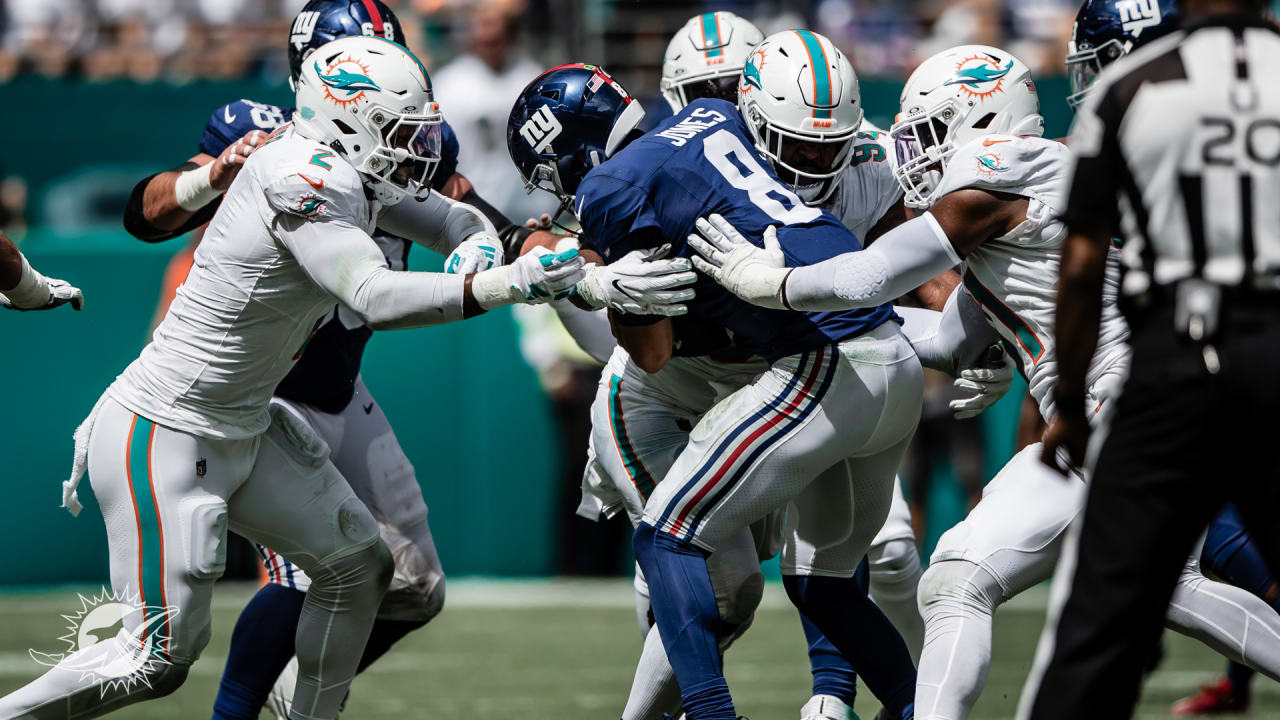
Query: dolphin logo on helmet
<point>346,80</point>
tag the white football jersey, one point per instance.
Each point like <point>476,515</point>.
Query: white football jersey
<point>867,188</point>
<point>247,309</point>
<point>1015,277</point>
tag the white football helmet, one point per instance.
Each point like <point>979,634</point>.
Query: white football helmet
<point>953,97</point>
<point>800,98</point>
<point>705,57</point>
<point>370,100</point>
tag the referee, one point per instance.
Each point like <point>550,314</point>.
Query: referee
<point>1178,151</point>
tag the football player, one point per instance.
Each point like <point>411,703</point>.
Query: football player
<point>573,132</point>
<point>1102,35</point>
<point>324,387</point>
<point>641,420</point>
<point>971,155</point>
<point>186,443</point>
<point>22,287</point>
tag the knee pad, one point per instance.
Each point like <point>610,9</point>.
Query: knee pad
<point>894,564</point>
<point>396,498</point>
<point>365,573</point>
<point>165,679</point>
<point>958,583</point>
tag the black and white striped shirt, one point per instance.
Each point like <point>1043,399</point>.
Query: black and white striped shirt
<point>1178,153</point>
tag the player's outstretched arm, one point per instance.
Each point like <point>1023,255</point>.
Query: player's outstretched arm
<point>23,288</point>
<point>346,262</point>
<point>174,202</point>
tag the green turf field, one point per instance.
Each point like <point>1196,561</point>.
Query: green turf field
<point>561,650</point>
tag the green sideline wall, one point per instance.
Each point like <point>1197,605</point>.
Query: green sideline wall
<point>468,411</point>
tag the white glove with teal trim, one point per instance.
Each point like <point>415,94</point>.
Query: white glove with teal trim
<point>538,276</point>
<point>478,252</point>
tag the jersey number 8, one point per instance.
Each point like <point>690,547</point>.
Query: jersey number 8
<point>731,159</point>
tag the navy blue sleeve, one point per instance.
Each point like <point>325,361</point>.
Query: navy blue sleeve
<point>231,122</point>
<point>448,166</point>
<point>616,217</point>
<point>812,242</point>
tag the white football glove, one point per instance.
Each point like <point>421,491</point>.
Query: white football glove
<point>42,293</point>
<point>479,252</point>
<point>643,282</point>
<point>983,384</point>
<point>754,274</point>
<point>540,275</point>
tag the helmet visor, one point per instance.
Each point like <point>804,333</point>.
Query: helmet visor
<point>1084,66</point>
<point>413,145</point>
<point>724,87</point>
<point>922,149</point>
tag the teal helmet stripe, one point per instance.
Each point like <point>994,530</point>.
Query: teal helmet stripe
<point>821,73</point>
<point>426,77</point>
<point>711,35</point>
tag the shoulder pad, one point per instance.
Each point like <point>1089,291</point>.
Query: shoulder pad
<point>305,178</point>
<point>609,209</point>
<point>1018,165</point>
<point>231,122</point>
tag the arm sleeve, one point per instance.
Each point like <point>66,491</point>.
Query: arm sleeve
<point>436,223</point>
<point>953,339</point>
<point>135,221</point>
<point>347,263</point>
<point>899,262</point>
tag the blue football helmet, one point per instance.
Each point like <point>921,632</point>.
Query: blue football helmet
<point>321,21</point>
<point>568,120</point>
<point>1107,30</point>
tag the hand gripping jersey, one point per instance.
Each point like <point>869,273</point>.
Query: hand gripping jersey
<point>1015,277</point>
<point>700,162</point>
<point>325,375</point>
<point>247,308</point>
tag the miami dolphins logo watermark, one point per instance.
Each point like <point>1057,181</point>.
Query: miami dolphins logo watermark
<point>751,72</point>
<point>102,650</point>
<point>990,164</point>
<point>981,76</point>
<point>346,80</point>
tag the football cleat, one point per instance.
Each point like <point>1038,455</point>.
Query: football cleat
<point>827,707</point>
<point>1214,699</point>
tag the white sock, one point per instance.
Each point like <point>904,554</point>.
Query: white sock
<point>895,578</point>
<point>654,690</point>
<point>1231,620</point>
<point>957,599</point>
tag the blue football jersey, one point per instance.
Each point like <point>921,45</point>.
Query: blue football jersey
<point>231,122</point>
<point>698,162</point>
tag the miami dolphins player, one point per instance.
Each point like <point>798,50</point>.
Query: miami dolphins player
<point>572,132</point>
<point>186,443</point>
<point>971,154</point>
<point>1103,34</point>
<point>324,387</point>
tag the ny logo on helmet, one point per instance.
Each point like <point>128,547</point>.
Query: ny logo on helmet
<point>541,129</point>
<point>303,26</point>
<point>1138,14</point>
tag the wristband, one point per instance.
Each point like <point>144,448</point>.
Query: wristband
<point>32,290</point>
<point>194,188</point>
<point>491,288</point>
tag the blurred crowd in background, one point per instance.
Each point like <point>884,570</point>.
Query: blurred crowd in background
<point>187,39</point>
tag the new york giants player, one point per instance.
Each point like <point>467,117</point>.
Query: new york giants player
<point>968,139</point>
<point>784,430</point>
<point>186,443</point>
<point>1105,31</point>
